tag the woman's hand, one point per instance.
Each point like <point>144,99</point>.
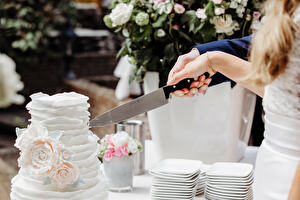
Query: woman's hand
<point>190,65</point>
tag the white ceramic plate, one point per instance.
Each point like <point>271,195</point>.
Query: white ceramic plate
<point>169,198</point>
<point>175,185</point>
<point>177,166</point>
<point>226,191</point>
<point>168,189</point>
<point>229,169</point>
<point>229,188</point>
<point>220,183</point>
<point>159,179</point>
<point>209,190</point>
<point>175,177</point>
<point>222,197</point>
<point>233,178</point>
<point>172,195</point>
<point>209,197</point>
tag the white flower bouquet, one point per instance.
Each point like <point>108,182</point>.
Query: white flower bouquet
<point>118,145</point>
<point>156,32</point>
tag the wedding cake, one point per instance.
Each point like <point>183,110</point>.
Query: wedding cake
<point>58,153</point>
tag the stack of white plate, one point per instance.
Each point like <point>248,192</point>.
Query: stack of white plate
<point>202,180</point>
<point>229,181</point>
<point>175,179</point>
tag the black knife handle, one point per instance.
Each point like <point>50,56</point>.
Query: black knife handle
<point>186,83</point>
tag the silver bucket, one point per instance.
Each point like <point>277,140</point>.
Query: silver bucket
<point>135,128</point>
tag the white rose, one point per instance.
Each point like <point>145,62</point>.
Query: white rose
<point>225,24</point>
<point>238,1</point>
<point>120,138</point>
<point>132,146</point>
<point>240,9</point>
<point>10,82</point>
<point>121,14</point>
<point>244,3</point>
<point>233,5</point>
<point>163,7</point>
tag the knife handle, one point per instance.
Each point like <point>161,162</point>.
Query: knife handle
<point>185,83</point>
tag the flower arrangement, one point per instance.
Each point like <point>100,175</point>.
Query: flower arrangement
<point>10,82</point>
<point>118,145</point>
<point>156,32</point>
<point>44,157</point>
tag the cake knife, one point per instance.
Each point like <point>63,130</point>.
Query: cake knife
<point>141,104</point>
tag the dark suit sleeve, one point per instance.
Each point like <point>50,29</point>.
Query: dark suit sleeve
<point>237,47</point>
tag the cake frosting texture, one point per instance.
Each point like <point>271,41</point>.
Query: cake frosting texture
<point>58,153</point>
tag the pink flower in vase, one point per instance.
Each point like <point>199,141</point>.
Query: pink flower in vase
<point>124,150</point>
<point>108,139</point>
<point>179,8</point>
<point>108,155</point>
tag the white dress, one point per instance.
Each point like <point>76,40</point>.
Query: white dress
<point>279,154</point>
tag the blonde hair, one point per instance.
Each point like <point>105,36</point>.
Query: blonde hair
<point>274,41</point>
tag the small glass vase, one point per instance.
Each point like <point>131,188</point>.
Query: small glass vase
<point>119,173</point>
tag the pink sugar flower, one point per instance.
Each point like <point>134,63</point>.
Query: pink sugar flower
<point>256,15</point>
<point>217,1</point>
<point>179,8</point>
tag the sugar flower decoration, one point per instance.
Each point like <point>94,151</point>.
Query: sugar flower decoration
<point>65,174</point>
<point>43,156</point>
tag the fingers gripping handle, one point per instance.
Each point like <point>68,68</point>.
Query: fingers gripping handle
<point>186,83</point>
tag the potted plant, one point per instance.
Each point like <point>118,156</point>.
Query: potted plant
<point>155,33</point>
<point>117,151</point>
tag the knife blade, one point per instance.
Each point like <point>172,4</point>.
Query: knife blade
<point>140,105</point>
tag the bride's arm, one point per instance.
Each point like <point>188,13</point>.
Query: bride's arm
<point>295,192</point>
<point>234,68</point>
<point>231,66</point>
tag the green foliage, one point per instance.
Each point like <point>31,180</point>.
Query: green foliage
<point>25,25</point>
<point>155,45</point>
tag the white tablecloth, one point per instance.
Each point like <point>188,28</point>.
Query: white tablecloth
<point>142,183</point>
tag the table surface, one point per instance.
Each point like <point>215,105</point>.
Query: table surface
<point>142,183</point>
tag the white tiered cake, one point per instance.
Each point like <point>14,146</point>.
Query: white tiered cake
<point>58,159</point>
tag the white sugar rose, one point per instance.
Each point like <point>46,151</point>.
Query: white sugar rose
<point>10,82</point>
<point>65,174</point>
<point>39,157</point>
<point>26,135</point>
<point>121,14</point>
<point>120,138</point>
<point>225,24</point>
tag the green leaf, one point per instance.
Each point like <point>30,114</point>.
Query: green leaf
<point>160,21</point>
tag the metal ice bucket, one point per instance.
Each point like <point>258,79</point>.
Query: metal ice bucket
<point>135,128</point>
